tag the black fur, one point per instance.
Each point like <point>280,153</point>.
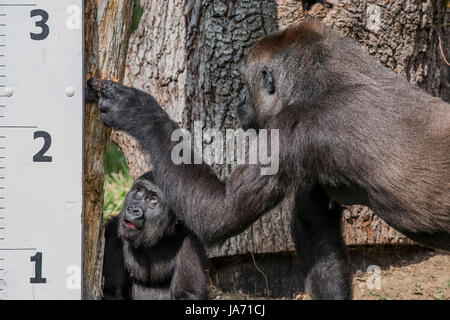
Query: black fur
<point>158,259</point>
<point>317,235</point>
<point>351,132</point>
<point>117,282</point>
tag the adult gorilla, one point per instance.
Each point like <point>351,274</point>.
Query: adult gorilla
<point>351,132</point>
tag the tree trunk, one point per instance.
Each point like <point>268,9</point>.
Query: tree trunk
<point>156,63</point>
<point>186,54</point>
<point>107,30</point>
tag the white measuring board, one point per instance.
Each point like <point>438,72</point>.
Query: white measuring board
<point>41,148</point>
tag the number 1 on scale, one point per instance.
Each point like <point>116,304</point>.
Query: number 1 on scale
<point>37,259</point>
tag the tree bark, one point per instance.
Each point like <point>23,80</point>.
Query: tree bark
<point>156,63</point>
<point>187,54</point>
<point>107,30</point>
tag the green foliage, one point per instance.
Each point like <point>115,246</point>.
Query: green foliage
<point>115,160</point>
<point>117,181</point>
<point>262,273</point>
<point>137,15</point>
<point>418,289</point>
<point>444,288</point>
<point>116,188</point>
<point>379,295</point>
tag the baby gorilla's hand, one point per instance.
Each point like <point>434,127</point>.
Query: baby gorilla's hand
<point>104,88</point>
<point>134,112</point>
<point>120,106</point>
<point>91,95</point>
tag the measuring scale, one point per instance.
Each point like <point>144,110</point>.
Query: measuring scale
<point>41,148</point>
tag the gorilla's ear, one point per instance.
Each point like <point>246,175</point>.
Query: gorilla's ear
<point>268,81</point>
<point>319,55</point>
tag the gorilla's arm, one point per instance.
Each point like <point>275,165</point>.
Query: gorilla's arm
<point>212,209</point>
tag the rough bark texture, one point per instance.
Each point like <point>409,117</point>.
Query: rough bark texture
<point>187,54</point>
<point>107,29</point>
<point>156,63</point>
<point>403,35</point>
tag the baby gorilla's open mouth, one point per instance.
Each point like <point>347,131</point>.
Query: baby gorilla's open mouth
<point>130,225</point>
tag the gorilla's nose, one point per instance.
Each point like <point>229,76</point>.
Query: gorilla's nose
<point>135,213</point>
<point>135,216</point>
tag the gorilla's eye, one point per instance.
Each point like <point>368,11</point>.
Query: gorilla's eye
<point>139,193</point>
<point>268,81</point>
<point>152,201</point>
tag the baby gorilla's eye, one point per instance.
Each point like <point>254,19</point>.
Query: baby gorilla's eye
<point>152,201</point>
<point>139,193</point>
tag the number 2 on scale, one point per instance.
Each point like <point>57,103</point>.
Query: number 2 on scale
<point>40,156</point>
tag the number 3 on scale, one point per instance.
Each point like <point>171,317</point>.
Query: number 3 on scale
<point>45,30</point>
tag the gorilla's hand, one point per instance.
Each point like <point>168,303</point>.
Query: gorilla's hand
<point>137,113</point>
<point>120,105</point>
<point>91,95</point>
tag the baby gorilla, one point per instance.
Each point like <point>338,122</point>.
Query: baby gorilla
<point>149,255</point>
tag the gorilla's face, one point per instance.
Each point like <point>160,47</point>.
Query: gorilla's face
<point>245,112</point>
<point>145,218</point>
<point>284,69</point>
<point>259,100</point>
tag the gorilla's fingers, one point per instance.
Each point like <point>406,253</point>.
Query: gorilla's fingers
<point>106,88</point>
<point>91,95</point>
<point>96,84</point>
